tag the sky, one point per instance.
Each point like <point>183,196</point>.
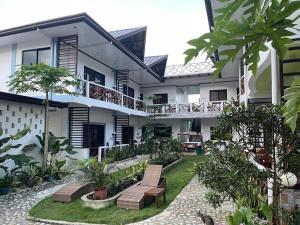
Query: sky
<point>170,23</point>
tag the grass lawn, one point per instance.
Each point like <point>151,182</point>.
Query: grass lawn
<point>177,178</point>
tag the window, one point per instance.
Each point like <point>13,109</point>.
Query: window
<point>128,91</point>
<point>212,133</point>
<point>217,95</point>
<point>163,131</point>
<point>94,76</point>
<point>160,99</point>
<point>34,56</point>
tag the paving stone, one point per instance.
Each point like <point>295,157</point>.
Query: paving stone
<point>183,210</point>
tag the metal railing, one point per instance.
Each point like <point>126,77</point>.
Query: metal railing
<point>190,68</point>
<point>102,93</point>
<point>212,106</point>
<point>104,150</point>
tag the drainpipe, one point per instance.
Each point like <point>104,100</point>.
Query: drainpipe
<point>275,78</point>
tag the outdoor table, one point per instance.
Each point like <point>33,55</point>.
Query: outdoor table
<point>156,192</point>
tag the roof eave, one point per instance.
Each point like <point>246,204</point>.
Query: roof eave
<point>82,17</point>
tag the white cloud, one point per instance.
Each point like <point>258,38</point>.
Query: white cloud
<point>169,26</point>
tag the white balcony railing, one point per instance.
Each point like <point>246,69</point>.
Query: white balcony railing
<point>102,93</point>
<point>190,68</point>
<point>212,106</point>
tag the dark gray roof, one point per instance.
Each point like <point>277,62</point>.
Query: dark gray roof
<point>150,60</point>
<point>119,34</point>
<point>30,100</point>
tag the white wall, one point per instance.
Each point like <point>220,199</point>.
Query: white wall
<point>205,127</point>
<point>16,118</point>
<point>22,115</point>
<point>230,86</point>
<point>136,87</point>
<point>136,122</point>
<point>104,117</point>
<point>84,60</point>
<point>5,66</point>
<point>149,92</point>
<point>6,59</point>
<point>58,122</point>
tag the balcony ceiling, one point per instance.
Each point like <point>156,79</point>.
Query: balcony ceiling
<point>90,41</point>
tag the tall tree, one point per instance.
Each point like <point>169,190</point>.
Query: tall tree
<point>45,79</point>
<point>259,23</point>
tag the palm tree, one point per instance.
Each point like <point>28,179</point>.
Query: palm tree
<point>45,79</point>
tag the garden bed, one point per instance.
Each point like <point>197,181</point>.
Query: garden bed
<point>88,200</point>
<point>177,178</point>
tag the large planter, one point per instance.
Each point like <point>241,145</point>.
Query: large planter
<point>4,191</point>
<point>100,193</point>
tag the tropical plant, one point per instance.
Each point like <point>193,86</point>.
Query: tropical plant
<point>247,216</point>
<point>292,105</point>
<point>293,217</point>
<point>56,146</point>
<point>7,143</point>
<point>94,172</point>
<point>29,175</point>
<point>7,181</point>
<point>45,79</point>
<point>262,122</point>
<point>261,22</point>
<point>229,175</point>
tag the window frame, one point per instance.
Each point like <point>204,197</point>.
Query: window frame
<point>95,72</point>
<point>160,99</point>
<point>218,91</point>
<point>37,50</point>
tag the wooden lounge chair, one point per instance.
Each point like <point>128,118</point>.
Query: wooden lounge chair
<point>133,198</point>
<point>72,191</point>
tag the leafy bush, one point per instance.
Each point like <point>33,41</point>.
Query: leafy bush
<point>229,175</point>
<point>136,174</point>
<point>6,144</point>
<point>56,146</point>
<point>292,218</point>
<point>7,181</point>
<point>29,175</point>
<point>94,172</point>
<point>119,153</point>
<point>247,216</point>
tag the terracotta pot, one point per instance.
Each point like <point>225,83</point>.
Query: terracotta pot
<point>100,193</point>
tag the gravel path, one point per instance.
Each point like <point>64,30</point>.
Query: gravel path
<point>183,210</point>
<point>15,206</point>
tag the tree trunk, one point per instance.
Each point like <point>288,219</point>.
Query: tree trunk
<point>46,131</point>
<point>276,191</point>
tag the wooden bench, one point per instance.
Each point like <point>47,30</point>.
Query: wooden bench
<point>156,192</point>
<point>72,191</point>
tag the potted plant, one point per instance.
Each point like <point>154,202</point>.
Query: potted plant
<point>94,173</point>
<point>5,184</point>
<point>29,175</point>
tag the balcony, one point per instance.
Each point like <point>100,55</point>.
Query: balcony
<point>188,69</point>
<point>109,95</point>
<point>188,110</point>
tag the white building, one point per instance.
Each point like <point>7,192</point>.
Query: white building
<point>117,80</point>
<point>273,74</point>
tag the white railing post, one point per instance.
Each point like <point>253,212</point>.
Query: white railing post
<point>122,97</point>
<point>100,154</point>
<point>87,94</point>
<point>191,107</point>
<point>177,107</point>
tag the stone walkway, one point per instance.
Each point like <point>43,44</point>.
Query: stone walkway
<point>14,206</point>
<point>183,210</point>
